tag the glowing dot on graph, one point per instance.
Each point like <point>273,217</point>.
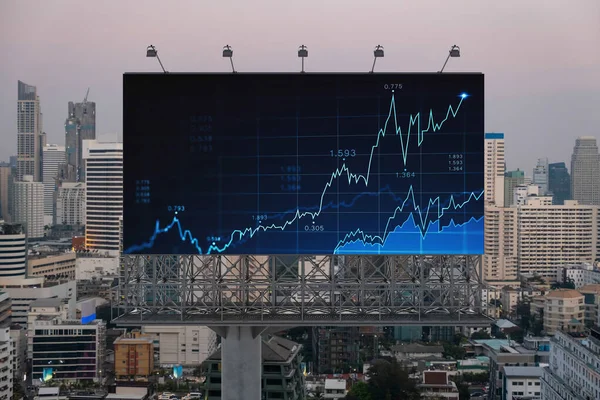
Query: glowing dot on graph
<point>175,212</point>
<point>313,222</point>
<point>392,91</point>
<point>343,159</point>
<point>404,169</point>
<point>214,243</point>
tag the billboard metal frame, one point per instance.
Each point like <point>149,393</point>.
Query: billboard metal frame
<point>220,291</point>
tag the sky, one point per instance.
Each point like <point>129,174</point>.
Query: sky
<point>541,58</point>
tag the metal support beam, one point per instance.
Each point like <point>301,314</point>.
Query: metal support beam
<point>287,291</point>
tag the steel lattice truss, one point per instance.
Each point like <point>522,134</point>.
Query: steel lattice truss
<point>301,290</point>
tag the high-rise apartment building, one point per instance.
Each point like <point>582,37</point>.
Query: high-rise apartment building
<point>559,182</point>
<point>494,169</point>
<point>54,156</point>
<point>13,251</point>
<point>537,237</point>
<point>104,195</point>
<point>585,171</point>
<point>28,206</point>
<point>551,236</point>
<point>70,204</point>
<point>79,126</point>
<point>501,245</point>
<point>540,175</point>
<point>5,171</point>
<point>512,179</point>
<point>29,133</point>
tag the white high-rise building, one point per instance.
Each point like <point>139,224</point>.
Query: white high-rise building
<point>523,192</point>
<point>104,195</point>
<point>29,133</point>
<point>13,251</point>
<point>574,365</point>
<point>554,236</point>
<point>28,206</point>
<point>70,204</point>
<point>585,171</point>
<point>53,156</point>
<point>501,245</point>
<point>540,175</point>
<point>537,237</point>
<point>494,169</point>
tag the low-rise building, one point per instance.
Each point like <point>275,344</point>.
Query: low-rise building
<point>335,389</point>
<point>53,265</point>
<point>563,309</point>
<point>416,351</point>
<point>70,350</point>
<point>134,357</point>
<point>282,377</point>
<point>521,383</point>
<point>437,385</point>
<point>184,345</point>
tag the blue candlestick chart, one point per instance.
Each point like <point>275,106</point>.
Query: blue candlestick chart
<point>303,164</point>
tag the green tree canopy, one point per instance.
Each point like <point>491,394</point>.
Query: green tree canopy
<point>388,380</point>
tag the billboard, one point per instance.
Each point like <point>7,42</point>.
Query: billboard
<point>303,164</point>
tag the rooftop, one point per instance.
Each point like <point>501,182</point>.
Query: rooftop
<point>338,384</point>
<point>51,302</point>
<point>135,340</point>
<point>417,348</point>
<point>495,344</point>
<point>274,349</point>
<point>523,372</point>
<point>592,288</point>
<point>504,324</point>
<point>564,294</point>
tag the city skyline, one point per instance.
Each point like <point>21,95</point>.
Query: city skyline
<point>541,82</point>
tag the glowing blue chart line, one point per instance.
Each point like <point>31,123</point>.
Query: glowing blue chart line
<point>390,208</point>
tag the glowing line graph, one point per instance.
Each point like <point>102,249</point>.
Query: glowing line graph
<point>423,221</point>
<point>414,120</point>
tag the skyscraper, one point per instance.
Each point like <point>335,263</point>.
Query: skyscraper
<point>585,171</point>
<point>29,132</point>
<point>512,179</point>
<point>559,183</point>
<point>4,192</point>
<point>28,206</point>
<point>104,195</point>
<point>540,175</point>
<point>494,169</point>
<point>79,126</point>
<point>54,156</point>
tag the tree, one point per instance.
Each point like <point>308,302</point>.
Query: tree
<point>454,352</point>
<point>480,335</point>
<point>567,284</point>
<point>360,391</point>
<point>388,380</point>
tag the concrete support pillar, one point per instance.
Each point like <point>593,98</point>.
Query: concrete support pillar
<point>241,362</point>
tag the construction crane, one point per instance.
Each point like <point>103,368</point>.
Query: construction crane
<point>85,101</point>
